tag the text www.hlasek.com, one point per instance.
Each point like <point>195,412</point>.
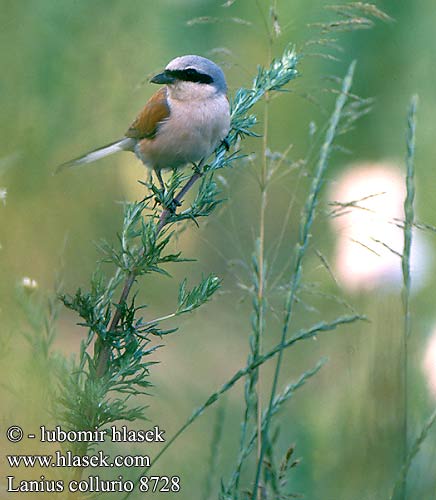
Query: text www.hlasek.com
<point>70,460</point>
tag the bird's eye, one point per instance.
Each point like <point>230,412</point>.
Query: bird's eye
<point>191,75</point>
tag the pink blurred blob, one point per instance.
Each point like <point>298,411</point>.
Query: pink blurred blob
<point>429,364</point>
<point>367,212</point>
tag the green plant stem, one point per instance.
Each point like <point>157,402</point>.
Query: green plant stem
<point>260,327</point>
<point>409,219</point>
<point>400,484</point>
<point>305,228</point>
<point>253,383</point>
<point>261,259</point>
<point>280,399</point>
<point>214,452</point>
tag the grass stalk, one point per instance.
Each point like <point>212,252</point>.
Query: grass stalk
<point>400,486</point>
<point>305,229</point>
<point>256,377</point>
<point>214,446</point>
<point>278,403</point>
<point>409,219</point>
<point>261,260</point>
<point>260,327</point>
<point>304,334</point>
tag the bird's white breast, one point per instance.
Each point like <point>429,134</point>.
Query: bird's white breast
<point>192,132</point>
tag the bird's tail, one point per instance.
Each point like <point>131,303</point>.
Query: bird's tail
<point>125,144</point>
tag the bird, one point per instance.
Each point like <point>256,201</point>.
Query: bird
<point>182,123</point>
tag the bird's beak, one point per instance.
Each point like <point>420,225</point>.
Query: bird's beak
<point>162,78</point>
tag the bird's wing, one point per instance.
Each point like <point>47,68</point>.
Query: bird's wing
<point>155,111</point>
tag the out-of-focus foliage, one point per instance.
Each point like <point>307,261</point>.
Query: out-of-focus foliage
<point>74,77</point>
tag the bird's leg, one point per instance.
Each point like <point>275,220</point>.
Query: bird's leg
<point>226,144</point>
<point>174,204</point>
<point>175,201</point>
<point>198,167</point>
<point>163,188</point>
<point>150,177</point>
<point>159,178</point>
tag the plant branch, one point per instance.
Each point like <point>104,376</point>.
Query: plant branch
<point>104,356</point>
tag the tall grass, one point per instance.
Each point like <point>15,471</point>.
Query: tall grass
<point>305,231</point>
<point>340,121</point>
<point>400,489</point>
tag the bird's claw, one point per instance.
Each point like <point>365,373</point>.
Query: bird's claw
<point>173,206</point>
<point>226,144</point>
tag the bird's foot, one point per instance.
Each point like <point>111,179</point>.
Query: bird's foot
<point>173,206</point>
<point>159,178</point>
<point>197,168</point>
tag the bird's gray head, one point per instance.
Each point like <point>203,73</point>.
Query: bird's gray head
<point>193,76</point>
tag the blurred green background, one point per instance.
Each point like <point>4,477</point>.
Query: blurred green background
<point>74,75</point>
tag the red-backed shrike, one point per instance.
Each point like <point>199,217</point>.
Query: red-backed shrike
<point>183,122</point>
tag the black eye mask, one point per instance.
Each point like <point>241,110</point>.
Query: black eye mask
<point>188,75</point>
